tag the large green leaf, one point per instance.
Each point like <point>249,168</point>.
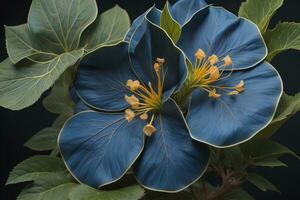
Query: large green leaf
<point>169,24</point>
<point>60,23</point>
<point>22,84</point>
<point>283,37</point>
<point>59,101</point>
<point>265,149</point>
<point>35,168</point>
<point>49,187</point>
<point>288,106</point>
<point>109,28</point>
<point>260,11</point>
<point>44,140</point>
<point>260,182</point>
<point>83,192</point>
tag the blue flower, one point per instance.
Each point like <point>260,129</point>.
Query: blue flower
<point>128,117</point>
<point>131,97</point>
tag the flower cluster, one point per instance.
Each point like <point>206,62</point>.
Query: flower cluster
<point>155,106</point>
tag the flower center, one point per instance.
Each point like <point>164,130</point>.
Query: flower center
<point>145,100</point>
<point>208,71</point>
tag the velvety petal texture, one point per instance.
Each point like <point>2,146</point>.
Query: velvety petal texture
<point>102,76</point>
<point>171,160</point>
<point>230,120</point>
<point>154,17</point>
<point>150,42</point>
<point>217,31</point>
<point>98,148</point>
<point>183,10</point>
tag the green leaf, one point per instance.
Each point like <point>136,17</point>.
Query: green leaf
<point>260,182</point>
<point>269,162</point>
<point>59,101</point>
<point>44,140</point>
<point>22,84</point>
<point>35,168</point>
<point>283,37</point>
<point>265,149</point>
<point>109,28</point>
<point>50,187</point>
<point>60,120</point>
<point>60,23</point>
<point>288,106</point>
<point>169,24</point>
<point>21,43</point>
<point>83,192</point>
<point>260,11</point>
<point>238,194</point>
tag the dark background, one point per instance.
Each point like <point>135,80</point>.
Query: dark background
<point>17,127</point>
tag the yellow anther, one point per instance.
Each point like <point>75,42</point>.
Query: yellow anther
<point>144,116</point>
<point>214,73</point>
<point>133,85</point>
<point>213,59</point>
<point>233,93</point>
<point>133,101</point>
<point>213,94</point>
<point>149,129</point>
<point>160,61</point>
<point>227,61</point>
<point>157,67</point>
<point>129,115</point>
<point>200,54</point>
<point>240,87</point>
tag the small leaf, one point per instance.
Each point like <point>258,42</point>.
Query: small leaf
<point>22,84</point>
<point>261,183</point>
<point>56,186</point>
<point>60,120</point>
<point>44,140</point>
<point>35,168</point>
<point>265,149</point>
<point>83,192</point>
<point>269,162</point>
<point>283,37</point>
<point>238,194</point>
<point>169,24</point>
<point>59,101</point>
<point>288,106</point>
<point>260,11</point>
<point>109,28</point>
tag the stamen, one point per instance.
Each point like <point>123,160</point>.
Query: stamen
<point>160,61</point>
<point>227,61</point>
<point>240,87</point>
<point>133,101</point>
<point>233,93</point>
<point>213,94</point>
<point>213,59</point>
<point>133,85</point>
<point>129,115</point>
<point>214,73</point>
<point>149,130</point>
<point>200,54</point>
<point>144,116</point>
<point>157,67</point>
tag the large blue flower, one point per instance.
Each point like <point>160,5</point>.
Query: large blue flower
<point>100,144</point>
<point>128,113</point>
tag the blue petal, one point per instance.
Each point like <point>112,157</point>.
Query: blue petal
<point>102,76</point>
<point>183,10</point>
<point>154,17</point>
<point>171,160</point>
<point>234,119</point>
<point>220,32</point>
<point>99,148</point>
<point>150,42</point>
